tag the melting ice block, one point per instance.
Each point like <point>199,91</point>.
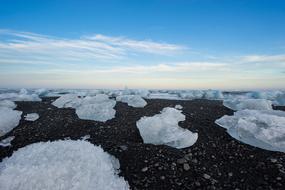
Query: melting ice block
<point>192,94</point>
<point>163,128</point>
<point>41,91</point>
<point>61,165</point>
<point>67,101</point>
<point>9,119</point>
<point>252,104</point>
<point>139,92</point>
<point>268,95</point>
<point>213,94</point>
<point>23,95</point>
<point>280,100</point>
<point>261,128</point>
<point>197,94</point>
<point>132,100</point>
<point>8,104</point>
<point>98,108</point>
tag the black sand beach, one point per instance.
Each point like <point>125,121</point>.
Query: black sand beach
<point>215,161</point>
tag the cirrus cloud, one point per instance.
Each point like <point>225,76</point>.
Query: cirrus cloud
<point>263,58</point>
<point>30,47</point>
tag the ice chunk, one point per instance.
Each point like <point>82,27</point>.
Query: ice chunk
<point>141,92</point>
<point>198,94</point>
<point>31,117</point>
<point>115,93</point>
<point>7,142</point>
<point>213,94</point>
<point>66,101</point>
<point>268,95</point>
<point>61,165</point>
<point>179,107</point>
<point>193,94</point>
<point>8,104</point>
<point>23,91</point>
<point>162,95</point>
<point>98,108</point>
<point>23,95</point>
<point>95,99</point>
<point>252,104</point>
<point>132,100</point>
<point>163,128</point>
<point>41,91</point>
<point>280,100</point>
<point>261,128</point>
<point>27,97</point>
<point>97,112</point>
<point>84,138</point>
<point>9,119</point>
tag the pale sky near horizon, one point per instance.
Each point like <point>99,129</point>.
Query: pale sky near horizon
<point>181,44</point>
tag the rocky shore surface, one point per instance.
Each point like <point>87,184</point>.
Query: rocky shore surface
<point>215,161</point>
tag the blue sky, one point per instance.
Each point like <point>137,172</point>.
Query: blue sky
<point>191,44</point>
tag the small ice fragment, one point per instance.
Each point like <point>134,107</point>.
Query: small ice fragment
<point>7,141</point>
<point>179,107</point>
<point>86,137</point>
<point>31,117</point>
<point>124,147</point>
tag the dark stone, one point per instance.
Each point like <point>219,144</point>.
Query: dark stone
<point>147,166</point>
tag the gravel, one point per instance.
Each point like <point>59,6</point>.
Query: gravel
<point>215,161</point>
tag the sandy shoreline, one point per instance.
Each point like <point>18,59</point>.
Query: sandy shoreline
<point>215,161</point>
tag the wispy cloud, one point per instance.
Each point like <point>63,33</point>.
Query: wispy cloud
<point>176,67</point>
<point>135,45</point>
<point>35,59</point>
<point>29,47</point>
<point>263,58</point>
